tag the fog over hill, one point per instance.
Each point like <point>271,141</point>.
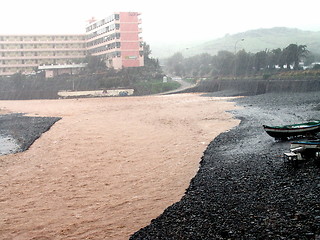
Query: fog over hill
<point>254,41</point>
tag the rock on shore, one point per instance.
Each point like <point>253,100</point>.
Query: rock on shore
<point>244,189</point>
<point>19,131</point>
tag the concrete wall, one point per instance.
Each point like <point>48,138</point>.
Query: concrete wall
<point>253,87</point>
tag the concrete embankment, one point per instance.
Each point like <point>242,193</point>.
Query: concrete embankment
<point>254,87</point>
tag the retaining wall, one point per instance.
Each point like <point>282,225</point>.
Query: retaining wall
<point>254,87</point>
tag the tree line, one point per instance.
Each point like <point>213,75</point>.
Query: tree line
<point>239,63</point>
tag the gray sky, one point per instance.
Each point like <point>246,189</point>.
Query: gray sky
<point>163,20</point>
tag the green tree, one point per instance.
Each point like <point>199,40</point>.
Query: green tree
<point>146,51</point>
<point>95,64</point>
<point>151,64</point>
<point>276,58</point>
<point>244,65</point>
<point>260,60</point>
<point>223,62</point>
<point>294,53</point>
<point>175,64</point>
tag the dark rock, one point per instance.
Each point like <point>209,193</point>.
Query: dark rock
<point>24,129</point>
<point>244,189</point>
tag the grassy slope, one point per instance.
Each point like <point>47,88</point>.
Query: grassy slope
<point>255,41</point>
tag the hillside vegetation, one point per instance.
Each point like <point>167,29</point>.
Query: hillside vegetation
<point>254,41</point>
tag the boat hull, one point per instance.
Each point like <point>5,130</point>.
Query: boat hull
<point>309,144</point>
<point>293,130</point>
<point>305,150</point>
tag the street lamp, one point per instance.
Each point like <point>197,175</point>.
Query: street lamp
<point>235,57</point>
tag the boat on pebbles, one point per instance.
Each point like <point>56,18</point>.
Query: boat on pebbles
<point>303,150</point>
<point>306,149</point>
<point>294,130</point>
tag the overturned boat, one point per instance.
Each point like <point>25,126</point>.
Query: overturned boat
<point>294,130</point>
<point>304,150</point>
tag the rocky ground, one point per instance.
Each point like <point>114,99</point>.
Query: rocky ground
<point>18,132</point>
<point>244,189</point>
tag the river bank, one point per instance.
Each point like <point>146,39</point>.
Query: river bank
<point>244,189</point>
<point>107,167</point>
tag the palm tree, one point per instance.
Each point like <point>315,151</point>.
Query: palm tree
<point>294,53</point>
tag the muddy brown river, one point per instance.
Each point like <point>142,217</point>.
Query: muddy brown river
<point>108,167</point>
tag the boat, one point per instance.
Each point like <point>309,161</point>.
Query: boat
<point>304,150</point>
<point>294,130</point>
<point>307,144</point>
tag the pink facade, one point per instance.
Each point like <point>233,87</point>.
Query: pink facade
<point>130,47</point>
<point>116,39</point>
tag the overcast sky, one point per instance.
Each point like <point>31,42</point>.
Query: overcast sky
<point>162,20</point>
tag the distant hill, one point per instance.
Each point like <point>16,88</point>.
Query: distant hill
<point>254,41</point>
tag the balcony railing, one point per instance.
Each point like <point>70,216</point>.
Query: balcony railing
<point>42,50</point>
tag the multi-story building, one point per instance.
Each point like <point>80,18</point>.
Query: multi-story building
<point>24,53</point>
<point>115,39</point>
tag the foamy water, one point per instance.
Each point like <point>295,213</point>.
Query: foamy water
<point>7,145</point>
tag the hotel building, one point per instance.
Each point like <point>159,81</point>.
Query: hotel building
<point>116,39</point>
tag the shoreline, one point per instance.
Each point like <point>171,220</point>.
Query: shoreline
<point>108,166</point>
<point>18,132</point>
<point>243,189</point>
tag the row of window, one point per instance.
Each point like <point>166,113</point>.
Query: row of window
<point>37,57</point>
<point>4,66</point>
<point>104,30</point>
<point>10,70</point>
<point>41,46</point>
<point>107,20</point>
<point>41,38</point>
<point>105,47</point>
<point>104,39</point>
<point>47,53</point>
<point>3,62</point>
<point>113,54</point>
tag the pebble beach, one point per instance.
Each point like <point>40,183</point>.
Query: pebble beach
<point>244,189</point>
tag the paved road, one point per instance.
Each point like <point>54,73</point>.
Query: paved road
<point>184,85</point>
